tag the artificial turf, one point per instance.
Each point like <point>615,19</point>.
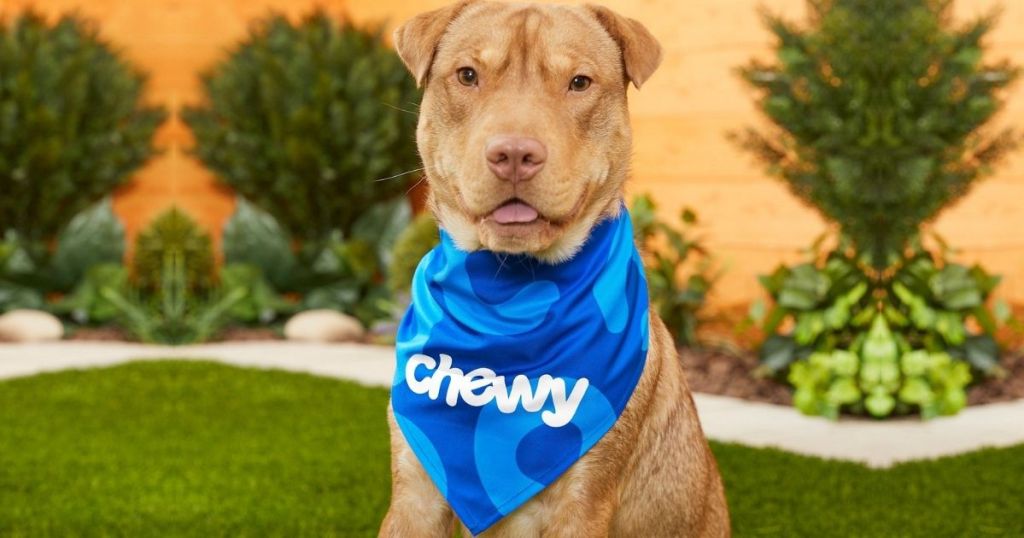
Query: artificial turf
<point>176,448</point>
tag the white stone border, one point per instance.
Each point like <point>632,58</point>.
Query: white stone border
<point>877,444</point>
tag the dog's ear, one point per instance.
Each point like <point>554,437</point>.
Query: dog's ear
<point>416,41</point>
<point>641,52</point>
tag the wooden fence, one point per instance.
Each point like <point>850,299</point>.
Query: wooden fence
<point>681,119</point>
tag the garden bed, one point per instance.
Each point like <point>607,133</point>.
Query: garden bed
<point>729,372</point>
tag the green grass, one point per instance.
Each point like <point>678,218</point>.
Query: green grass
<point>205,450</point>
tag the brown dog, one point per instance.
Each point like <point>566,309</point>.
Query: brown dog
<point>525,111</point>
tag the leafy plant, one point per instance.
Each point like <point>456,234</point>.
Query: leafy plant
<point>86,304</point>
<point>853,340</point>
<point>253,236</point>
<point>93,237</point>
<point>174,297</point>
<point>677,296</point>
<point>876,112</point>
<point>261,303</point>
<point>17,276</point>
<point>174,314</point>
<point>303,120</point>
<point>27,273</point>
<point>173,239</point>
<point>72,123</point>
<point>412,245</point>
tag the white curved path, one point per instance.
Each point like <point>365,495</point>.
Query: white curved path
<point>878,444</point>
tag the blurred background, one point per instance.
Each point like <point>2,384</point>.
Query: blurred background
<point>680,119</point>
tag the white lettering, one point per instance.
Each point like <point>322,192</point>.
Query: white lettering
<point>482,386</point>
<point>481,378</point>
<point>565,408</point>
<point>419,386</point>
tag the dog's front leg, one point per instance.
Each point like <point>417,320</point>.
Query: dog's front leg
<point>417,507</point>
<point>580,504</point>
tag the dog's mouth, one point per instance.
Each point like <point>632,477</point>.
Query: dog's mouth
<point>514,211</point>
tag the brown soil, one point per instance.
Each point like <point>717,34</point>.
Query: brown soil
<point>248,334</point>
<point>730,372</point>
<point>103,334</point>
<point>1006,388</point>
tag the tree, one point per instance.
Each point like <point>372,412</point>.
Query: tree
<point>878,111</point>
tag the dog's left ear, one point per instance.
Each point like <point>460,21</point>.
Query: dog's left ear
<point>641,53</point>
<point>416,41</point>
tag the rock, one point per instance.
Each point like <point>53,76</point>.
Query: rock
<point>323,326</point>
<point>30,326</point>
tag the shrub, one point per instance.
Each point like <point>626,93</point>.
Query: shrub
<point>173,234</point>
<point>72,123</point>
<point>93,237</point>
<point>174,297</point>
<point>17,276</point>
<point>303,120</point>
<point>879,346</point>
<point>877,110</point>
<point>337,272</point>
<point>677,292</point>
<point>253,236</point>
<point>412,245</point>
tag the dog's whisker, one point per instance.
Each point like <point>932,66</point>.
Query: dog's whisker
<point>413,171</point>
<point>400,109</point>
<point>501,263</point>
<point>417,184</point>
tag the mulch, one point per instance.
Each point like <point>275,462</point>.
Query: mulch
<point>730,372</point>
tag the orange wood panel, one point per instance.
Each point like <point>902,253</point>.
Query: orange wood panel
<point>681,119</point>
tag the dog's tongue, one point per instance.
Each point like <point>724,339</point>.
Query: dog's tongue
<point>515,212</point>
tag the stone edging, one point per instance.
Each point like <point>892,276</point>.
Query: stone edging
<point>877,444</point>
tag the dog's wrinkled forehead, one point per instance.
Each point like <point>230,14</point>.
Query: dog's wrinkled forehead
<point>550,38</point>
<point>529,40</point>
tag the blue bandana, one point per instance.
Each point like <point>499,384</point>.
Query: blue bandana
<point>510,369</point>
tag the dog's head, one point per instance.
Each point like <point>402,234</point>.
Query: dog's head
<point>523,129</point>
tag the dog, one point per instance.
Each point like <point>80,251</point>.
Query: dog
<point>525,139</point>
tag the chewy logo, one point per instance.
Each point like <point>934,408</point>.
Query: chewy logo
<point>482,386</point>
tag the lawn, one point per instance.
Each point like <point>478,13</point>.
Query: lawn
<point>199,449</point>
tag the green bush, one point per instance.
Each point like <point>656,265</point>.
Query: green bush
<point>72,123</point>
<point>878,111</point>
<point>173,234</point>
<point>677,296</point>
<point>345,273</point>
<point>18,286</point>
<point>174,297</point>
<point>412,245</point>
<point>27,273</point>
<point>93,237</point>
<point>253,236</point>
<point>879,346</point>
<point>303,120</point>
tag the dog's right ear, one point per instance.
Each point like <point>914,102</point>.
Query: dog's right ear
<point>416,41</point>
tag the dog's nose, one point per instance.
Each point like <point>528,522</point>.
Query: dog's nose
<point>515,158</point>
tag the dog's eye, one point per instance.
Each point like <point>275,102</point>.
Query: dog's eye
<point>467,76</point>
<point>579,83</point>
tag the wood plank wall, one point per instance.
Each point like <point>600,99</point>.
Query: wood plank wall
<point>681,119</point>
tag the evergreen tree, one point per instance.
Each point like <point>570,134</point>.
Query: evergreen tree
<point>878,109</point>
